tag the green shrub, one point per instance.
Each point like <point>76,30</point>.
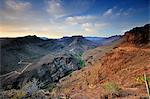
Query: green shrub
<point>112,87</point>
<point>78,57</point>
<point>82,63</point>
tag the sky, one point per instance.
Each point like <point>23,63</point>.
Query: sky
<point>58,18</point>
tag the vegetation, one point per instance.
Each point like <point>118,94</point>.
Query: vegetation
<point>81,63</point>
<point>141,79</point>
<point>13,94</point>
<point>112,88</point>
<point>79,59</point>
<point>19,95</point>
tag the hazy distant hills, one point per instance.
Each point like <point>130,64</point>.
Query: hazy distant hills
<point>104,40</point>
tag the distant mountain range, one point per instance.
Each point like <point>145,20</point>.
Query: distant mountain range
<point>97,40</point>
<point>104,40</point>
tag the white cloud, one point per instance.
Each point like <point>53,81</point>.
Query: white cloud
<point>18,6</point>
<point>88,27</point>
<point>58,8</point>
<point>89,23</point>
<point>108,12</point>
<point>94,27</point>
<point>115,12</point>
<point>79,19</point>
<point>55,8</point>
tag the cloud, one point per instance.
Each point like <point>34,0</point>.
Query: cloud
<point>88,27</point>
<point>80,19</point>
<point>58,18</point>
<point>89,23</point>
<point>108,12</point>
<point>55,8</point>
<point>59,8</point>
<point>17,6</point>
<point>94,27</point>
<point>115,12</point>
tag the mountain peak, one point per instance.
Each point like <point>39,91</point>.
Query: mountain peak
<point>138,35</point>
<point>77,36</point>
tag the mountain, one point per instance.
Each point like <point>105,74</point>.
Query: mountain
<point>31,47</point>
<point>117,74</point>
<point>49,60</point>
<point>138,36</point>
<point>80,44</point>
<point>14,50</point>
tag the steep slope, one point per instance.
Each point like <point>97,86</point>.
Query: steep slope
<point>118,74</point>
<point>93,55</point>
<point>138,36</point>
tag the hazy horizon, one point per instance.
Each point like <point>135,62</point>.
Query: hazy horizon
<point>59,18</point>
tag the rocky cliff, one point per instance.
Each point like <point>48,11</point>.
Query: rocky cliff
<point>138,36</point>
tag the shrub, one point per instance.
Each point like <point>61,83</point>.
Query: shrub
<point>78,57</point>
<point>81,63</point>
<point>112,87</point>
<point>141,79</point>
<point>13,94</point>
<point>19,95</point>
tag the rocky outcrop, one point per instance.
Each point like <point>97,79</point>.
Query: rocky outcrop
<point>137,36</point>
<point>58,68</point>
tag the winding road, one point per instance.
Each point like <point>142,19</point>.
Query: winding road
<point>16,72</point>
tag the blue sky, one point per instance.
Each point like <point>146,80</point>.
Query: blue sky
<point>58,18</point>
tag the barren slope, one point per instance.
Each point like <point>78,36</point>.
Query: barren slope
<point>124,66</point>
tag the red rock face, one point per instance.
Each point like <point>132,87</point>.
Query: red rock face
<point>138,36</point>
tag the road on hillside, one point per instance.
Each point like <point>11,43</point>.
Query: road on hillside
<point>16,72</point>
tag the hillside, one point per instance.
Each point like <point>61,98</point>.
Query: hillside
<point>26,58</point>
<point>32,47</point>
<point>118,74</point>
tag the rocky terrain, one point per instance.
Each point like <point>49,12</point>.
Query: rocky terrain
<point>138,36</point>
<point>117,74</point>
